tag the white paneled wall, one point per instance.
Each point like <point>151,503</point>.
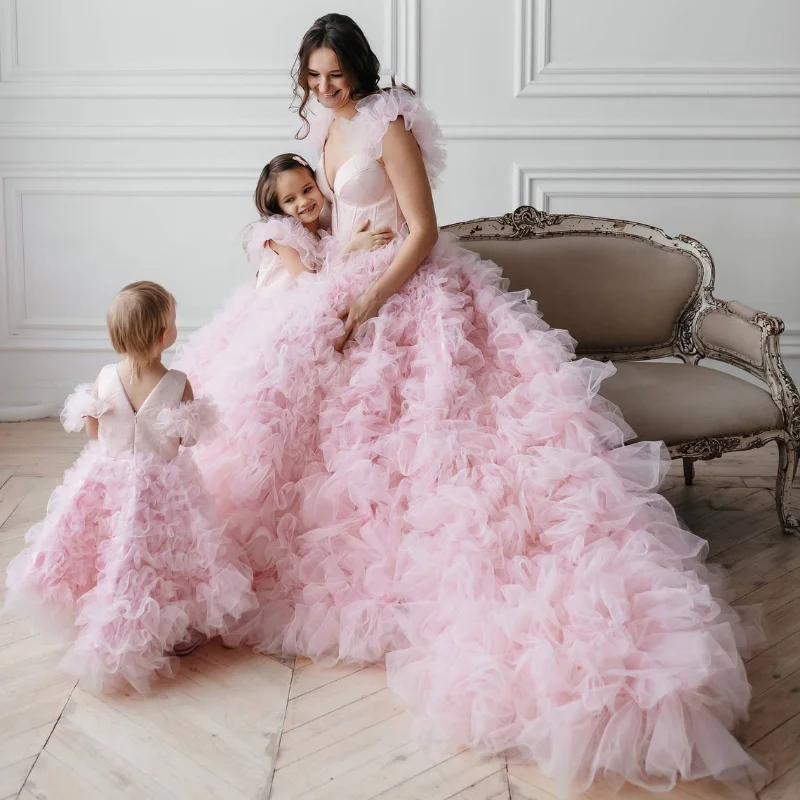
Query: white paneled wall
<point>131,136</point>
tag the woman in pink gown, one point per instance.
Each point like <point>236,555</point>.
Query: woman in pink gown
<point>422,472</point>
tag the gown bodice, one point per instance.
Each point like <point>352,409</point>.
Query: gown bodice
<point>361,187</point>
<point>123,431</point>
<point>362,191</point>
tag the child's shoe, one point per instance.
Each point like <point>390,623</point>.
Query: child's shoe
<point>189,645</point>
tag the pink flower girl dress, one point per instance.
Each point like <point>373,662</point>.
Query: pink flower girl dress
<point>131,558</point>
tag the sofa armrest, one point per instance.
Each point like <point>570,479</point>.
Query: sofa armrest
<point>736,333</point>
<point>744,337</point>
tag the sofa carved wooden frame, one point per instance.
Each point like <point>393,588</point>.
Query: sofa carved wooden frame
<point>688,341</point>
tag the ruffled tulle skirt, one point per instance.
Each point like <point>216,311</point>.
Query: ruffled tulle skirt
<point>453,495</point>
<point>130,559</point>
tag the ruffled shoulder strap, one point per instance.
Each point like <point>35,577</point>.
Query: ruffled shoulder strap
<point>378,110</point>
<point>283,230</point>
<point>82,403</point>
<point>189,421</point>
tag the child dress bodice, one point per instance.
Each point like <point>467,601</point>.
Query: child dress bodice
<point>123,431</point>
<point>161,425</point>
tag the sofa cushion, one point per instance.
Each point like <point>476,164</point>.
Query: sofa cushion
<point>609,292</point>
<point>680,402</point>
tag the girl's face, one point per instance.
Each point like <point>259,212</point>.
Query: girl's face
<point>299,196</point>
<point>326,80</point>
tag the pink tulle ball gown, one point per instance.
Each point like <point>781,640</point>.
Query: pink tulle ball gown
<point>452,495</point>
<point>132,559</point>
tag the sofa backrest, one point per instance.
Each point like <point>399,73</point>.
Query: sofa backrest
<point>616,286</point>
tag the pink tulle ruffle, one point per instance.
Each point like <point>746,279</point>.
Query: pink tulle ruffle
<point>82,403</point>
<point>452,494</point>
<point>283,230</point>
<point>377,111</point>
<point>190,421</point>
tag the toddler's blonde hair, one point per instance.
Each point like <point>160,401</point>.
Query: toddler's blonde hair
<point>137,320</point>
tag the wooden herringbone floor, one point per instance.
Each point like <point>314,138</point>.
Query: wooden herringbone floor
<point>236,725</point>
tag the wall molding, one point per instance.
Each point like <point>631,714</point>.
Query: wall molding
<point>401,31</point>
<point>790,340</point>
<point>144,131</point>
<point>538,185</point>
<point>450,132</point>
<point>536,74</point>
<point>18,331</point>
<point>650,180</point>
<point>404,34</point>
<point>623,132</point>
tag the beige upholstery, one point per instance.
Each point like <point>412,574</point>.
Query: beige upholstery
<point>681,402</point>
<point>732,334</point>
<point>608,292</point>
<point>748,312</point>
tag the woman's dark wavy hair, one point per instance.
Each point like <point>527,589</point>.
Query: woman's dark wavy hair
<point>266,193</point>
<point>360,66</point>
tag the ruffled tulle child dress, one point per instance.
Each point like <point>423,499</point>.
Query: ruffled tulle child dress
<point>132,558</point>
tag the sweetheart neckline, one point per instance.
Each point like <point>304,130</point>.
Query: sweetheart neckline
<point>332,185</point>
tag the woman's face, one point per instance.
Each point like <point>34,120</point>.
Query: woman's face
<point>325,79</point>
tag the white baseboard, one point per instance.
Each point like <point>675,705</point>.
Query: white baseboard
<point>25,413</point>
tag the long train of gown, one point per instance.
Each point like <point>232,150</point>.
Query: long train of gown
<point>453,495</point>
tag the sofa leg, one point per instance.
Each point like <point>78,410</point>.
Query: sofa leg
<point>787,467</point>
<point>688,471</point>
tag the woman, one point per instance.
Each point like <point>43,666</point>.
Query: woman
<point>426,474</point>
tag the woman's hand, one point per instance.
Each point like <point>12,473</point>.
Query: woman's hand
<point>364,239</point>
<point>361,310</point>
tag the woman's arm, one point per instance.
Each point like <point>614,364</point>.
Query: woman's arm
<point>290,258</point>
<point>404,166</point>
